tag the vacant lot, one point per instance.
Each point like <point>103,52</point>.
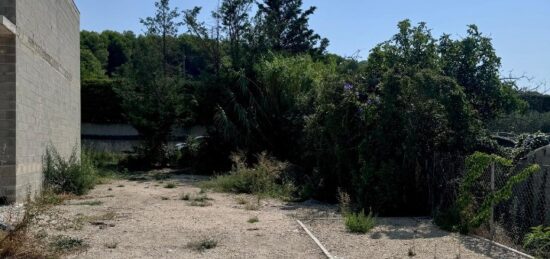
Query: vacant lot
<point>172,218</point>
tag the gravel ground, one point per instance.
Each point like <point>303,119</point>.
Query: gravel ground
<point>395,237</point>
<point>146,220</point>
<point>129,219</point>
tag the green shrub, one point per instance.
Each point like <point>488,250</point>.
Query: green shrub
<point>359,222</point>
<point>538,241</point>
<point>68,175</point>
<point>265,178</point>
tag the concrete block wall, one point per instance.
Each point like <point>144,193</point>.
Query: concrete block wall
<point>47,89</point>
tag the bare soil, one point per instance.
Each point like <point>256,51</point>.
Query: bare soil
<point>143,219</point>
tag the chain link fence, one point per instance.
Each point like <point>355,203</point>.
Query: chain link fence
<point>510,221</point>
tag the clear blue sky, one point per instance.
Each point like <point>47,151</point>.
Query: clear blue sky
<point>520,29</point>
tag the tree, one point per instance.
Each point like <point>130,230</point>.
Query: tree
<point>473,62</point>
<point>164,25</point>
<point>284,27</point>
<point>119,46</point>
<point>91,67</point>
<point>235,22</point>
<point>154,96</point>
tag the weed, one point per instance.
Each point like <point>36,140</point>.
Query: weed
<point>253,220</point>
<point>254,205</point>
<point>538,241</point>
<point>344,201</point>
<point>76,175</point>
<point>198,200</point>
<point>200,204</point>
<point>90,203</point>
<point>266,178</point>
<point>241,200</point>
<point>359,222</point>
<point>111,245</point>
<point>203,245</point>
<point>411,252</point>
<point>66,244</point>
<point>185,197</point>
<point>17,243</point>
<point>170,186</point>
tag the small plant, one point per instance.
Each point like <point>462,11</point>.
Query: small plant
<point>66,244</point>
<point>90,203</point>
<point>359,222</point>
<point>203,245</point>
<point>344,201</point>
<point>170,186</point>
<point>241,200</point>
<point>200,204</point>
<point>411,252</point>
<point>111,245</point>
<point>198,200</point>
<point>253,220</point>
<point>253,205</point>
<point>185,197</point>
<point>538,241</point>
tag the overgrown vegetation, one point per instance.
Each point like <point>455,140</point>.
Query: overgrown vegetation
<point>538,241</point>
<point>475,198</point>
<point>266,178</point>
<point>75,174</point>
<point>264,82</point>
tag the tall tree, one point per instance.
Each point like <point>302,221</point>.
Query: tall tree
<point>163,24</point>
<point>155,97</point>
<point>285,27</point>
<point>235,22</point>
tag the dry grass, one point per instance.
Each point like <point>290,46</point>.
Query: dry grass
<point>19,242</point>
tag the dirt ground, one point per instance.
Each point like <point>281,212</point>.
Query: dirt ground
<point>143,219</point>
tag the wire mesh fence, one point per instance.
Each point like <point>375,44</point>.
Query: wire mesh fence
<point>509,221</point>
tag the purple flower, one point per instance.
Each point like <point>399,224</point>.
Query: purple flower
<point>348,87</point>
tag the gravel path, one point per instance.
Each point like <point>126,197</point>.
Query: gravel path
<point>129,219</point>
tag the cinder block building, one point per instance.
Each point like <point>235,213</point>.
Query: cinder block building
<point>39,89</point>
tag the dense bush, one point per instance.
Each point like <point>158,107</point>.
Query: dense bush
<point>75,175</point>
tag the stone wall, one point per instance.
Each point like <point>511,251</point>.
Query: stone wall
<point>47,87</point>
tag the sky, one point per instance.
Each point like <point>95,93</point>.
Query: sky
<point>520,29</point>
